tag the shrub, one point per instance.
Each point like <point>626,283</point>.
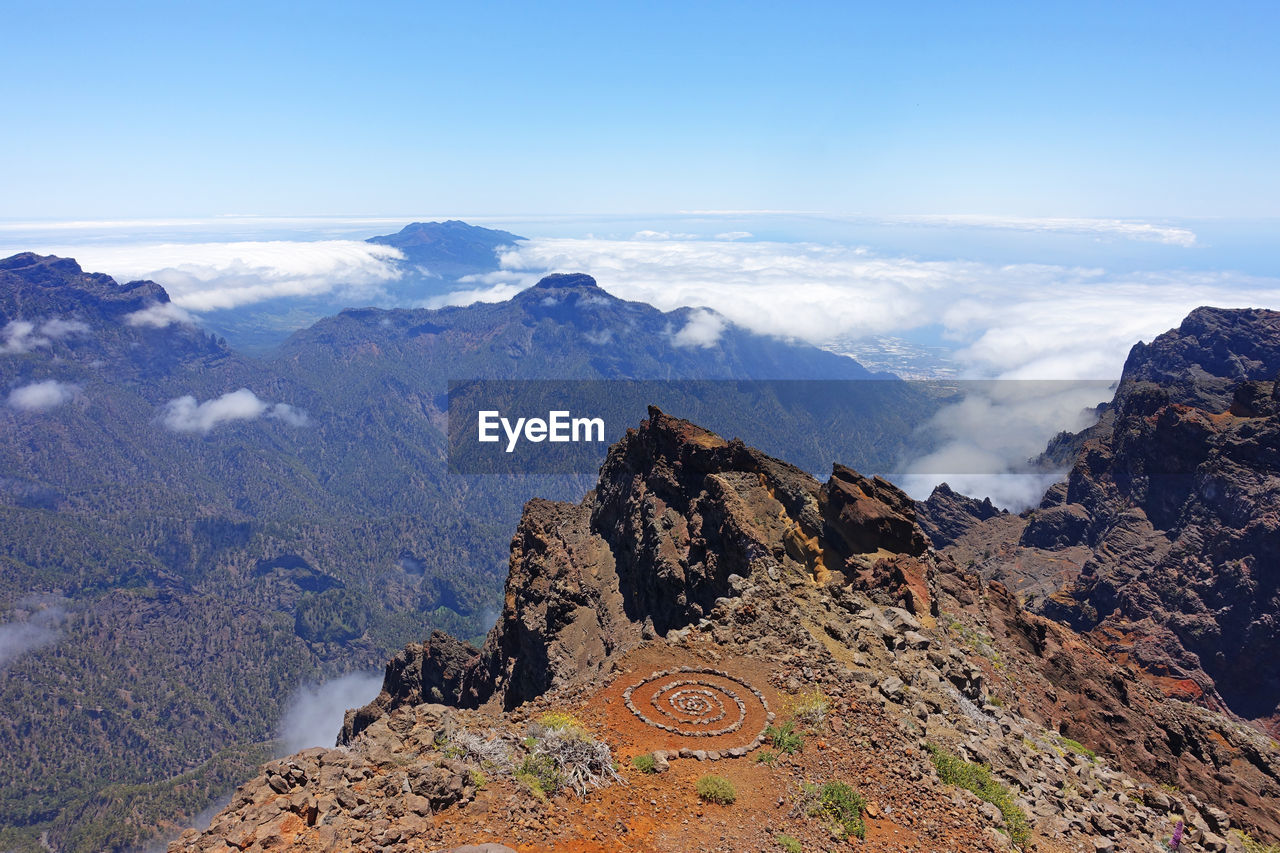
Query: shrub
<point>811,707</point>
<point>843,806</point>
<point>540,774</point>
<point>579,761</point>
<point>559,721</point>
<point>977,778</point>
<point>1251,845</point>
<point>789,844</point>
<point>785,738</point>
<point>488,750</point>
<point>767,757</point>
<point>716,789</point>
<point>645,763</point>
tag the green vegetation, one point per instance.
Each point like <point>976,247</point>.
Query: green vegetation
<point>977,778</point>
<point>560,721</point>
<point>789,844</point>
<point>645,763</point>
<point>1251,845</point>
<point>122,816</point>
<point>562,754</point>
<point>840,805</point>
<point>785,738</point>
<point>1078,748</point>
<point>716,789</point>
<point>332,616</point>
<point>540,774</point>
<point>767,757</point>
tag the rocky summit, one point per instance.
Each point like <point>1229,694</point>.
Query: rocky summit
<point>715,651</point>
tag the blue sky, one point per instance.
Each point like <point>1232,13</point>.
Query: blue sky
<point>1162,111</point>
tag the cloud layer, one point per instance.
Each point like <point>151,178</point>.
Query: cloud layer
<point>986,438</point>
<point>1013,321</point>
<point>41,396</point>
<point>185,414</point>
<point>208,276</point>
<point>314,713</point>
<point>1129,229</point>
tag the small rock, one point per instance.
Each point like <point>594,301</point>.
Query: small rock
<point>892,688</point>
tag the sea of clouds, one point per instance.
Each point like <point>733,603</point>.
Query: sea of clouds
<point>1016,320</point>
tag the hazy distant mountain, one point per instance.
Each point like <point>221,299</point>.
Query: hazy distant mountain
<point>436,256</point>
<point>449,250</point>
<point>187,533</point>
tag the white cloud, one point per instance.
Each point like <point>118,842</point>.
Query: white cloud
<point>986,438</point>
<point>41,396</point>
<point>703,329</point>
<point>20,336</point>
<point>1015,320</point>
<point>314,713</point>
<point>663,235</point>
<point>209,276</point>
<point>158,315</point>
<point>56,327</point>
<point>37,622</point>
<point>734,235</point>
<point>1124,228</point>
<point>184,414</point>
<point>497,292</point>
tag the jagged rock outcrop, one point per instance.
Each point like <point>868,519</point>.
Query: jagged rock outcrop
<point>707,563</point>
<point>677,514</point>
<point>947,515</point>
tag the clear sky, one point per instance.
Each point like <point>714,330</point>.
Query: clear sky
<point>1153,110</point>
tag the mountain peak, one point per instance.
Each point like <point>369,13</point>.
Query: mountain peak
<point>53,284</point>
<point>35,266</point>
<point>565,280</point>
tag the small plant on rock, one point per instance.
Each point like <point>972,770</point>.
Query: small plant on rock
<point>489,750</point>
<point>811,707</point>
<point>789,844</point>
<point>645,763</point>
<point>716,789</point>
<point>977,778</point>
<point>767,757</point>
<point>559,721</point>
<point>540,775</point>
<point>1251,845</point>
<point>843,806</point>
<point>785,738</point>
<point>1078,748</point>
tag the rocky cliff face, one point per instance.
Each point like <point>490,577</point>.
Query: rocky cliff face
<point>702,575</point>
<point>1169,521</point>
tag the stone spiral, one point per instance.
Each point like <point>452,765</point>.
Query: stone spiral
<point>693,702</point>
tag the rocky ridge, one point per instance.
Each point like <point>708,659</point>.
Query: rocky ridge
<point>699,554</point>
<point>1163,544</point>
